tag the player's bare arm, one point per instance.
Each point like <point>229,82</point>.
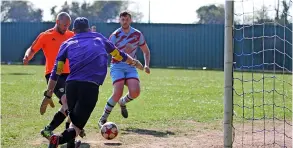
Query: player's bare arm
<point>33,49</point>
<point>29,54</point>
<point>146,53</point>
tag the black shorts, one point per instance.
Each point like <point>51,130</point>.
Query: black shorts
<point>81,100</point>
<point>59,90</point>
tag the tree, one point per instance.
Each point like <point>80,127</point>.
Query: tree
<point>98,11</point>
<point>135,14</point>
<point>285,13</point>
<point>20,11</point>
<point>277,10</point>
<point>211,14</point>
<point>262,16</point>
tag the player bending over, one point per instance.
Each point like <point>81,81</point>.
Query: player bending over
<point>50,41</point>
<point>126,39</point>
<point>87,55</point>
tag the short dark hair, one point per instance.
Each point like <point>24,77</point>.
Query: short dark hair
<point>124,14</point>
<point>81,24</point>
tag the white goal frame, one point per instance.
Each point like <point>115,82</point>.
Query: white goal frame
<point>228,73</point>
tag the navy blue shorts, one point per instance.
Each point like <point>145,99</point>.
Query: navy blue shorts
<point>59,90</point>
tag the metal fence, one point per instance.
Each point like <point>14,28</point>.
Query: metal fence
<point>171,45</point>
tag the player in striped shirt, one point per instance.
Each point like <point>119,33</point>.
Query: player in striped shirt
<point>127,39</point>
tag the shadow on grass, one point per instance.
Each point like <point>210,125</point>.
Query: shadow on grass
<point>147,132</point>
<point>113,144</point>
<point>83,145</point>
<point>86,145</point>
<point>17,73</point>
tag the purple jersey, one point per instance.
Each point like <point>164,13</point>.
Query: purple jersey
<point>120,39</point>
<point>88,55</point>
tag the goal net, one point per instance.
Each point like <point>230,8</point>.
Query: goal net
<point>258,97</point>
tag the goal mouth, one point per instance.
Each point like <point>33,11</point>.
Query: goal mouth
<point>261,61</point>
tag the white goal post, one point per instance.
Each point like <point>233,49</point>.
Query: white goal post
<point>228,72</point>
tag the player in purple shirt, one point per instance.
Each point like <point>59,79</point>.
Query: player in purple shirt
<point>87,53</point>
<point>127,39</point>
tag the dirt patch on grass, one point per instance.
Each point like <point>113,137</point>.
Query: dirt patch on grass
<point>191,135</point>
<point>267,133</point>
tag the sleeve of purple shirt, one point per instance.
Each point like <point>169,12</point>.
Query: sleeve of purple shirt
<point>59,63</point>
<point>117,54</point>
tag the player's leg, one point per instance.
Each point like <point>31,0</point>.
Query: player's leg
<point>112,101</point>
<point>63,101</point>
<point>81,103</point>
<point>71,99</point>
<point>72,143</point>
<point>132,82</point>
<point>117,75</point>
<point>64,108</point>
<point>60,116</point>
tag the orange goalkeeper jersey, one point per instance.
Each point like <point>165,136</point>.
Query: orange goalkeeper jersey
<point>50,42</point>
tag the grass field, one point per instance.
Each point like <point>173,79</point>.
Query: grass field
<point>176,108</point>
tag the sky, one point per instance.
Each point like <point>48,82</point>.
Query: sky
<point>168,11</point>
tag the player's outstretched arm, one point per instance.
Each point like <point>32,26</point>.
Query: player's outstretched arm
<point>35,47</point>
<point>124,57</point>
<point>121,56</point>
<point>29,54</point>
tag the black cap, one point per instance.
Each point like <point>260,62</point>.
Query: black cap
<point>81,23</point>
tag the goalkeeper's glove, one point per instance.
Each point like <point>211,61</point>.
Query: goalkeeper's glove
<point>46,100</point>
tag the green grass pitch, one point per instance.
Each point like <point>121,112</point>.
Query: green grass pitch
<point>167,97</point>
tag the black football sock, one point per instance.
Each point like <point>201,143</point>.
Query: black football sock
<point>67,125</point>
<point>58,118</point>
